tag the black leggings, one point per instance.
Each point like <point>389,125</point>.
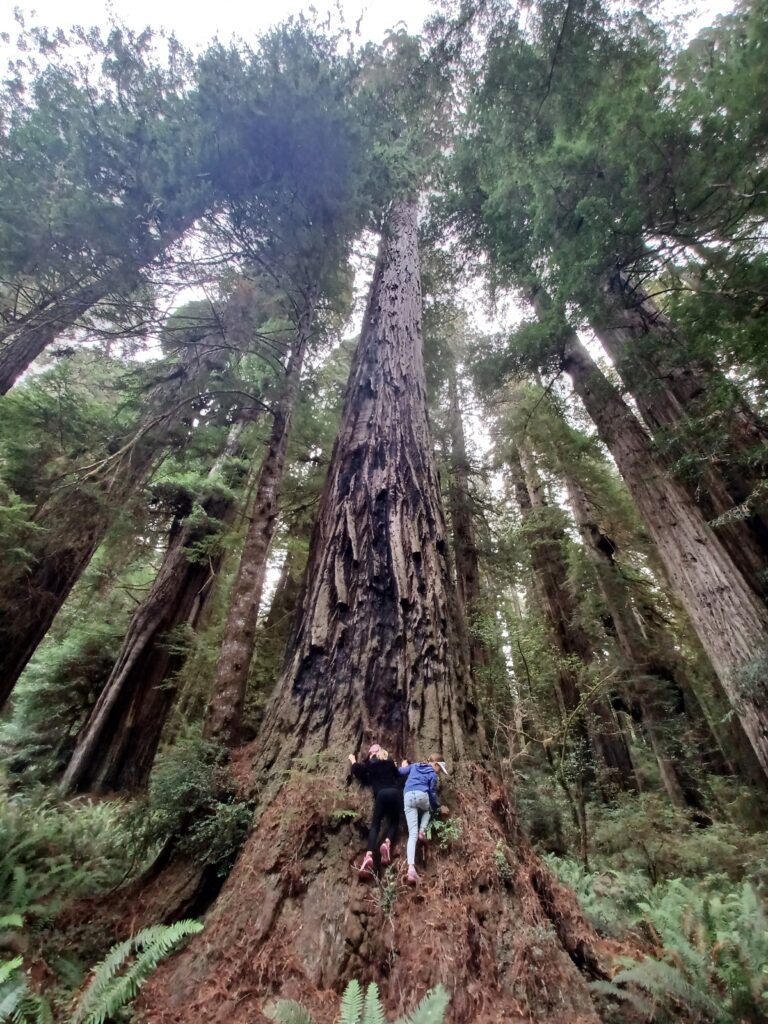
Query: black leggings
<point>387,804</point>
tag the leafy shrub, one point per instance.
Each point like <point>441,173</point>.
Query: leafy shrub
<point>191,801</point>
<point>356,1010</point>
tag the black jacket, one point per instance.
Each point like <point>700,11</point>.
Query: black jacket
<point>377,774</point>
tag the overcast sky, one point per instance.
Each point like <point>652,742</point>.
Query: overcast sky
<point>197,21</point>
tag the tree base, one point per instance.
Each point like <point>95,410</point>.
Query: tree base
<point>488,921</point>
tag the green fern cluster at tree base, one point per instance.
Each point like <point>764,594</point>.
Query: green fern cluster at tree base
<point>356,1009</point>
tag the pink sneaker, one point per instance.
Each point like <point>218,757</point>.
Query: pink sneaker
<point>384,850</point>
<point>413,878</point>
<point>366,868</point>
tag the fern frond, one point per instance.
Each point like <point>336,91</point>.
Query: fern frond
<point>286,1011</point>
<point>12,921</point>
<point>110,990</point>
<point>431,1009</point>
<point>351,1004</point>
<point>373,1011</point>
<point>7,968</point>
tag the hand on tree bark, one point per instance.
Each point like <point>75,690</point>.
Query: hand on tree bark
<point>444,810</point>
<point>404,763</point>
<point>352,759</point>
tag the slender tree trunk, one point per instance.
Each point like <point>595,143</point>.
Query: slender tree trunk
<point>378,652</point>
<point>116,748</point>
<point>26,337</point>
<point>648,672</point>
<point>596,719</point>
<point>75,519</point>
<point>669,394</point>
<point>41,329</point>
<point>729,619</point>
<point>464,537</point>
<point>224,714</point>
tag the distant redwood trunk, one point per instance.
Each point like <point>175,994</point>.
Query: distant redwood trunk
<point>642,343</point>
<point>463,527</point>
<point>76,518</point>
<point>378,652</point>
<point>728,617</point>
<point>648,671</point>
<point>116,747</point>
<point>225,709</point>
<point>595,721</point>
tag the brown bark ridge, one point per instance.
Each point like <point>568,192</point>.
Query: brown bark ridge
<point>225,709</point>
<point>650,679</point>
<point>116,747</point>
<point>596,721</point>
<point>378,652</point>
<point>729,619</point>
<point>75,519</point>
<point>669,393</point>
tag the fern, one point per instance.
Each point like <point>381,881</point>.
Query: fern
<point>109,989</point>
<point>286,1011</point>
<point>373,1011</point>
<point>351,1004</point>
<point>431,1009</point>
<point>7,969</point>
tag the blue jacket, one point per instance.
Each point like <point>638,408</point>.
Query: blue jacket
<point>422,777</point>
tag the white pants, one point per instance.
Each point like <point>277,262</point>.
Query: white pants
<point>417,814</point>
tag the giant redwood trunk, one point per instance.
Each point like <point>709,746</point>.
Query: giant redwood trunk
<point>595,719</point>
<point>74,520</point>
<point>650,678</point>
<point>671,393</point>
<point>116,747</point>
<point>225,710</point>
<point>378,652</point>
<point>731,622</point>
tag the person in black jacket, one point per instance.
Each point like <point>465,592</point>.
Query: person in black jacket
<point>379,772</point>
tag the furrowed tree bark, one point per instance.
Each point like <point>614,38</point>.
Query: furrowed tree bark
<point>224,714</point>
<point>651,680</point>
<point>642,343</point>
<point>596,721</point>
<point>378,651</point>
<point>75,519</point>
<point>116,747</point>
<point>729,619</point>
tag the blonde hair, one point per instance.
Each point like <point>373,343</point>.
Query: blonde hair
<point>383,755</point>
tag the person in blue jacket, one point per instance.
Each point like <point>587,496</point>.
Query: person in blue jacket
<point>420,800</point>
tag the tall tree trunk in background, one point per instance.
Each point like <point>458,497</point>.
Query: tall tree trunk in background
<point>729,619</point>
<point>378,652</point>
<point>74,520</point>
<point>116,748</point>
<point>596,721</point>
<point>224,714</point>
<point>463,527</point>
<point>670,393</point>
<point>651,679</point>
